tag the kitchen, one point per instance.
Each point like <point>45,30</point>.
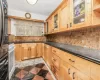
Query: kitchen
<point>50,40</point>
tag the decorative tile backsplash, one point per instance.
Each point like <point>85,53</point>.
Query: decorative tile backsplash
<point>89,38</point>
<point>29,38</point>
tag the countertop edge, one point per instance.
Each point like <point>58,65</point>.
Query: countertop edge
<point>78,55</point>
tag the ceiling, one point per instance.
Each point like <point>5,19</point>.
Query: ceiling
<point>43,7</point>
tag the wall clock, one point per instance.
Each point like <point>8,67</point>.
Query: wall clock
<point>28,15</point>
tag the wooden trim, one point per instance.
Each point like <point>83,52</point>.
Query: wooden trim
<point>63,2</point>
<point>22,18</point>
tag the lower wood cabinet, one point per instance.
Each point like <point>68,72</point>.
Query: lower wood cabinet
<point>95,71</point>
<point>27,51</point>
<point>33,50</point>
<point>64,65</point>
<point>47,54</point>
<point>39,50</point>
<point>69,72</point>
<point>18,52</point>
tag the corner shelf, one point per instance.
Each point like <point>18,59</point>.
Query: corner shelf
<point>97,8</point>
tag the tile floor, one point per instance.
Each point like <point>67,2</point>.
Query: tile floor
<point>37,71</point>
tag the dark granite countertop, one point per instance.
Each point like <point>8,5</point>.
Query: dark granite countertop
<point>92,55</point>
<point>20,42</point>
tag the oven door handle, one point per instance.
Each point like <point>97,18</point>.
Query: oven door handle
<point>3,64</point>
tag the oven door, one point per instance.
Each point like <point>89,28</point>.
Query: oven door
<point>4,68</point>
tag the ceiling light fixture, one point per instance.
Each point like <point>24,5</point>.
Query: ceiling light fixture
<point>32,2</point>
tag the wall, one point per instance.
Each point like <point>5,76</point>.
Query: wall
<point>22,14</point>
<point>89,38</point>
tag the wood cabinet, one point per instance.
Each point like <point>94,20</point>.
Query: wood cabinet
<point>56,66</point>
<point>70,66</point>
<point>47,55</point>
<point>65,16</point>
<point>39,50</point>
<point>50,25</point>
<point>96,12</point>
<point>95,71</point>
<point>56,22</point>
<point>46,28</point>
<point>81,13</point>
<point>33,50</point>
<point>25,52</point>
<point>74,15</point>
<point>18,52</point>
<point>82,65</point>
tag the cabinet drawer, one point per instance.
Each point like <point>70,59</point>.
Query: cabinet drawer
<point>56,61</point>
<point>55,72</point>
<point>83,65</point>
<point>55,51</point>
<point>67,57</point>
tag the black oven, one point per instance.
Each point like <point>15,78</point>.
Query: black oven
<point>4,67</point>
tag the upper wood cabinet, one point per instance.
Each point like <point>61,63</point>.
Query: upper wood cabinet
<point>96,12</point>
<point>46,28</point>
<point>50,25</point>
<point>75,14</point>
<point>81,13</point>
<point>56,22</point>
<point>65,16</point>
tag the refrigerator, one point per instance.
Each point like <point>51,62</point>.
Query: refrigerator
<point>3,40</point>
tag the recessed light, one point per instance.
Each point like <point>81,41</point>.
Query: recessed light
<point>32,2</point>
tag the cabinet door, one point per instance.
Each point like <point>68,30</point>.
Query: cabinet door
<point>48,55</point>
<point>65,16</point>
<point>45,52</point>
<point>65,71</point>
<point>18,52</point>
<point>95,71</point>
<point>81,13</point>
<point>82,65</point>
<point>50,25</point>
<point>82,76</point>
<point>55,22</point>
<point>39,50</point>
<point>25,51</point>
<point>55,72</point>
<point>33,50</point>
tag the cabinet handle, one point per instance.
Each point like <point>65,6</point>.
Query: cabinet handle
<point>71,60</point>
<point>70,24</point>
<point>54,59</point>
<point>74,75</point>
<point>69,71</point>
<point>67,25</point>
<point>54,51</point>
